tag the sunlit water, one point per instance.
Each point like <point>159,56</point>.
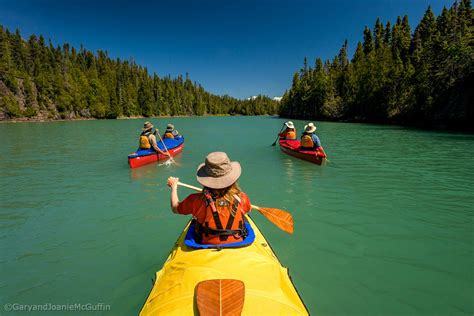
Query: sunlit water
<point>385,228</point>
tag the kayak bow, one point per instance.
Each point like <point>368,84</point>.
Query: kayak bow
<point>268,287</point>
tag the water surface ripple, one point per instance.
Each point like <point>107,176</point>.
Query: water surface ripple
<point>385,228</point>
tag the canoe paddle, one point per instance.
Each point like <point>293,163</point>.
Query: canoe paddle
<point>220,297</point>
<point>281,130</point>
<point>169,155</point>
<point>325,156</point>
<point>281,219</point>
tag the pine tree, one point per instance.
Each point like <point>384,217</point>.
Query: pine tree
<point>368,41</point>
<point>387,34</point>
<point>379,34</point>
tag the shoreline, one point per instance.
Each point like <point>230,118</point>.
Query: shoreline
<point>427,126</point>
<point>435,127</point>
<point>42,120</point>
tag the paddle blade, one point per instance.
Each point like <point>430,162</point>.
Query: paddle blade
<point>220,297</point>
<point>280,218</point>
<point>278,136</point>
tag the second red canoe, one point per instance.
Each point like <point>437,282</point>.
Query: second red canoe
<point>292,148</point>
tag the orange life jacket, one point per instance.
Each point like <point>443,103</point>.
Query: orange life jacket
<point>307,141</point>
<point>291,135</point>
<point>168,135</point>
<point>288,134</point>
<point>144,141</point>
<point>220,223</point>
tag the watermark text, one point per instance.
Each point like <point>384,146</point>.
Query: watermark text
<point>51,307</point>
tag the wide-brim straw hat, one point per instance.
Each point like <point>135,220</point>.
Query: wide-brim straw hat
<point>310,128</point>
<point>290,124</point>
<point>218,172</point>
<point>147,126</point>
<point>169,127</point>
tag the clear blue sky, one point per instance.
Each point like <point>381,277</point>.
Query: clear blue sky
<point>240,48</point>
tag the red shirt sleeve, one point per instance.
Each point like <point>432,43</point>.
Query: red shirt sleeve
<point>245,202</point>
<point>187,206</point>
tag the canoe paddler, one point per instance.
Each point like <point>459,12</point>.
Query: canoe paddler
<point>309,140</point>
<point>170,132</point>
<point>148,139</point>
<point>218,210</point>
<point>289,132</point>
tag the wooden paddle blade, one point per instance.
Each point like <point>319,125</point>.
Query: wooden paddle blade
<point>220,297</point>
<point>280,218</point>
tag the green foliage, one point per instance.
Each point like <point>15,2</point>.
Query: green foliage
<point>11,106</point>
<point>424,78</point>
<point>30,112</point>
<point>78,83</point>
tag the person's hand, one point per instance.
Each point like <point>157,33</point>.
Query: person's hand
<point>172,182</point>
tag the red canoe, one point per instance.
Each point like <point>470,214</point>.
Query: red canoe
<point>147,156</point>
<point>292,148</point>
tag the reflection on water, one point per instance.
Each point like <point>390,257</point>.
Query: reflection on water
<point>290,172</point>
<point>147,171</point>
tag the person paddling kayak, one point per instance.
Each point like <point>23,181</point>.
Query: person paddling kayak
<point>219,210</point>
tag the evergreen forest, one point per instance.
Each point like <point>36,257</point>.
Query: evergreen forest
<point>421,78</point>
<point>45,82</point>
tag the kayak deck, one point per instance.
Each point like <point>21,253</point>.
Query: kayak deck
<point>268,287</point>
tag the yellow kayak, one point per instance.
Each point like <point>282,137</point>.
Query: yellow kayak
<point>268,287</point>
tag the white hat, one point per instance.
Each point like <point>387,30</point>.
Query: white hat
<point>310,128</point>
<point>290,124</point>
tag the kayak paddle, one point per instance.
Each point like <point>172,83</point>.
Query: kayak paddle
<point>220,297</point>
<point>280,218</point>
<point>325,156</point>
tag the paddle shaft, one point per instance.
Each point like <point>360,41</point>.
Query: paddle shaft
<point>166,148</point>
<point>281,129</point>
<point>200,190</point>
<point>325,155</point>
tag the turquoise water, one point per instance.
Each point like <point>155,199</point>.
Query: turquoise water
<point>385,228</point>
